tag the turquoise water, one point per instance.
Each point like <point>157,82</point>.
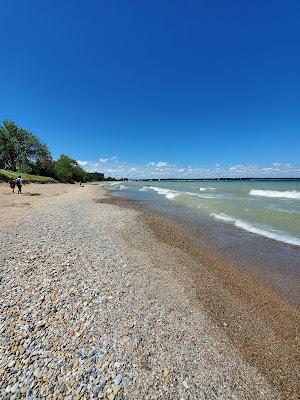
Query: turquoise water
<point>264,208</point>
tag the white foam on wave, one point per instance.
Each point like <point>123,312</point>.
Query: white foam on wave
<point>263,231</point>
<point>204,189</point>
<point>276,193</point>
<point>171,194</point>
<point>168,193</point>
<point>205,196</point>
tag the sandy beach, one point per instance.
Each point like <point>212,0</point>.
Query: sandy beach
<point>102,299</point>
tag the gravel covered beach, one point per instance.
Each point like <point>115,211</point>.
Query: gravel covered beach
<point>94,306</point>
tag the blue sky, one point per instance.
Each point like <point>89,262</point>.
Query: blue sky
<point>154,87</point>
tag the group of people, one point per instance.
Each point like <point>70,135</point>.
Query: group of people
<point>16,182</point>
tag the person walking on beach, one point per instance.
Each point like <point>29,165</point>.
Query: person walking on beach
<point>12,185</point>
<point>19,183</point>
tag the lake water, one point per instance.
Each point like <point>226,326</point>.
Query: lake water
<point>270,209</point>
<point>257,221</point>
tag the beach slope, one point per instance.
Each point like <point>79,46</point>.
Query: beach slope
<point>95,304</point>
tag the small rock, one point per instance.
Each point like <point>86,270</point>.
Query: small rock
<point>23,389</point>
<point>14,388</point>
<point>118,379</point>
<point>102,383</point>
<point>116,389</point>
<point>51,388</point>
<point>11,364</point>
<point>185,384</point>
<point>37,373</point>
<point>7,389</point>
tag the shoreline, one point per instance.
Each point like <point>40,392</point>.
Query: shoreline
<point>201,238</point>
<point>113,301</point>
<point>259,322</point>
<point>269,261</point>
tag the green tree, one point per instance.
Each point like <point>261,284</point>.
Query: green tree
<point>22,151</point>
<point>67,170</point>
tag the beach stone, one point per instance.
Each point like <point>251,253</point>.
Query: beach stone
<point>8,389</point>
<point>118,379</point>
<point>117,365</point>
<point>102,383</point>
<point>116,389</point>
<point>14,388</point>
<point>12,364</point>
<point>37,373</point>
<point>185,384</point>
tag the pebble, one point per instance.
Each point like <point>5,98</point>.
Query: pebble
<point>14,388</point>
<point>118,379</point>
<point>116,389</point>
<point>185,384</point>
<point>8,389</point>
<point>102,383</point>
<point>12,364</point>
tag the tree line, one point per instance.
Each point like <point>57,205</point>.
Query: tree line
<point>22,151</point>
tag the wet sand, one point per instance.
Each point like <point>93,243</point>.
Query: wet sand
<point>258,322</point>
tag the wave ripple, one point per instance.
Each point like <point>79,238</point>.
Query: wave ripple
<point>263,231</point>
<point>276,193</point>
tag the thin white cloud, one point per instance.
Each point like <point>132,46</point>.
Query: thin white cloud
<point>159,164</point>
<point>112,166</point>
<point>82,163</point>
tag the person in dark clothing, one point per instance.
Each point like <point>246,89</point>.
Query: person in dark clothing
<point>19,183</point>
<point>12,185</point>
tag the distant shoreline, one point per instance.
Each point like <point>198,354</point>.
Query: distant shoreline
<point>214,179</point>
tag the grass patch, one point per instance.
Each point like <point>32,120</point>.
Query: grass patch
<point>6,175</point>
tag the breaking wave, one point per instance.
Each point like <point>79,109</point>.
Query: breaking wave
<point>171,194</point>
<point>276,193</point>
<point>263,231</point>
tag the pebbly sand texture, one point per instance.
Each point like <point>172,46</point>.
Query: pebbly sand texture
<point>102,300</point>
